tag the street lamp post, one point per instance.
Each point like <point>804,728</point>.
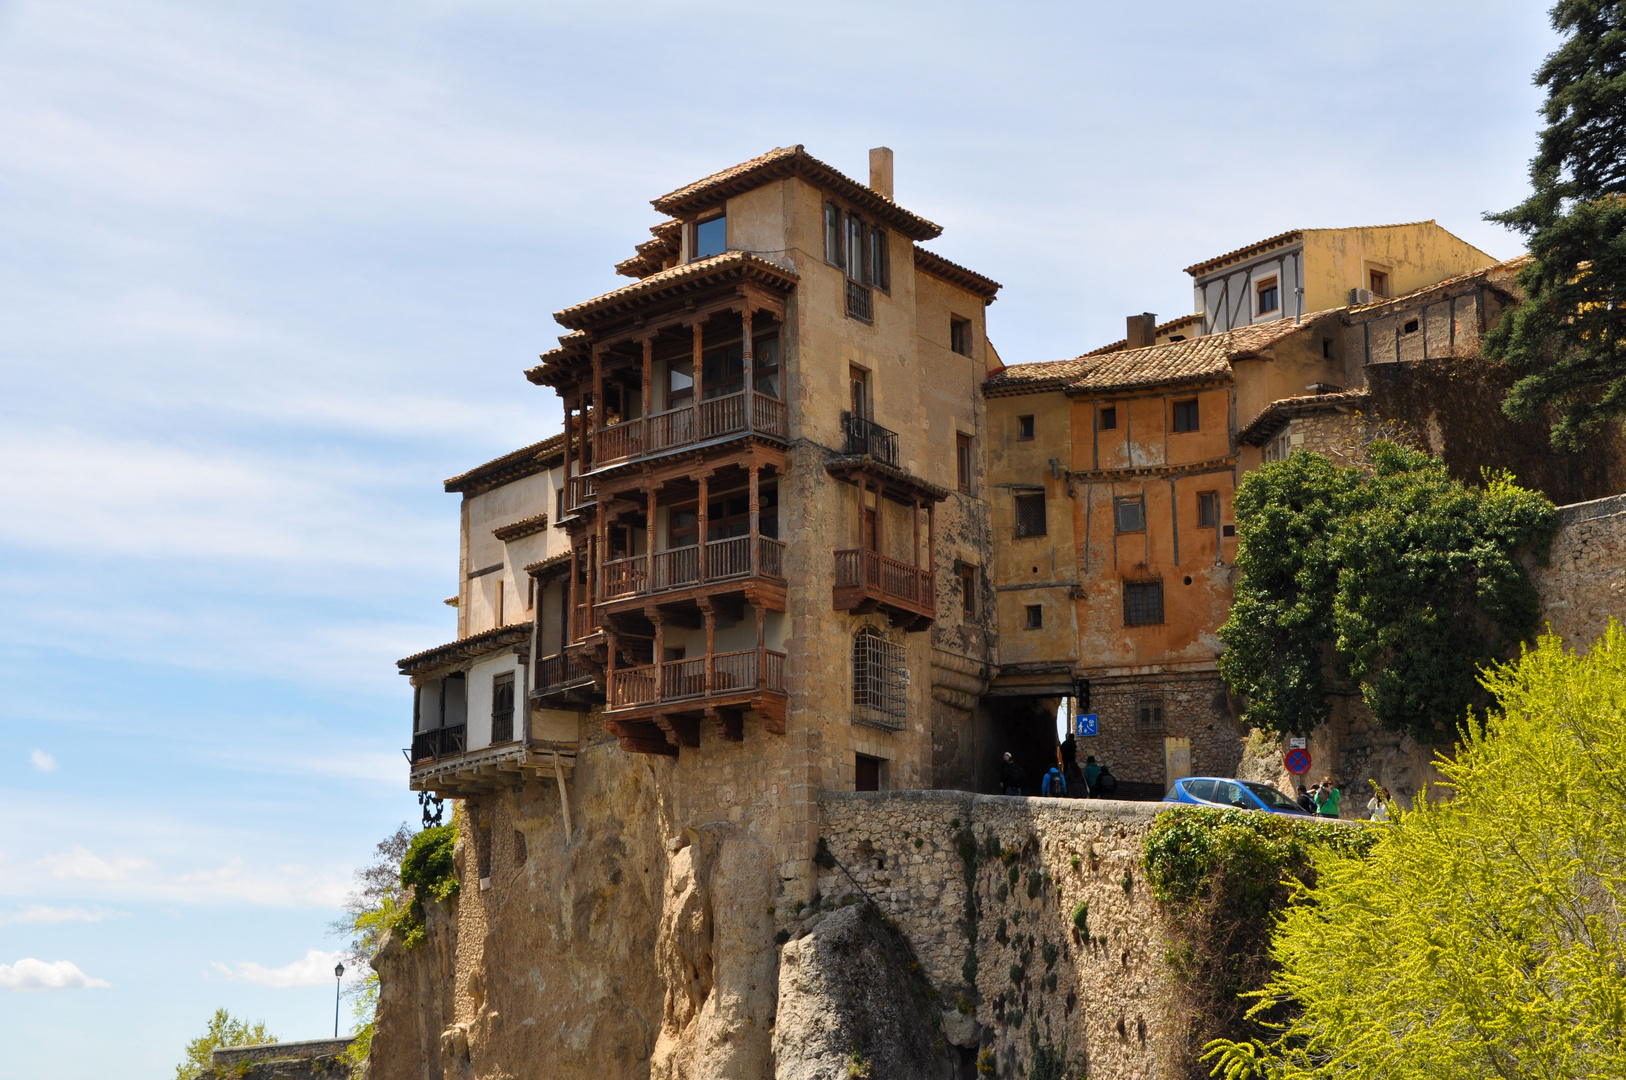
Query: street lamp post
<point>338,974</point>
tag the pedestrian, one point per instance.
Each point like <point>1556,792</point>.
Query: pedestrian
<point>1328,798</point>
<point>1092,773</point>
<point>1069,755</point>
<point>1379,805</point>
<point>1010,776</point>
<point>1306,803</point>
<point>1054,784</point>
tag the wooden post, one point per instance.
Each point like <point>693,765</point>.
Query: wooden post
<point>592,582</point>
<point>916,516</point>
<point>711,641</point>
<point>570,595</point>
<point>880,497</point>
<point>750,364</point>
<point>660,652</point>
<point>931,542</point>
<point>649,544</point>
<point>649,378</point>
<point>762,647</point>
<point>598,389</point>
<point>699,377</point>
<point>564,503</point>
<point>609,674</point>
<point>863,497</point>
<point>755,506</point>
<point>565,598</point>
<point>700,525</point>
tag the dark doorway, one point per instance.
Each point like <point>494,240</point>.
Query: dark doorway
<point>867,776</point>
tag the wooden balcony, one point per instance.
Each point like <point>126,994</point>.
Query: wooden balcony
<point>565,681</point>
<point>656,708</point>
<point>689,567</point>
<point>867,581</point>
<point>733,414</point>
<point>580,493</point>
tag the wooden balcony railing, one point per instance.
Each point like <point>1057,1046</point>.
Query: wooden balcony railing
<point>439,742</point>
<point>581,493</point>
<point>887,580</point>
<point>710,419</point>
<point>679,568</point>
<point>560,669</point>
<point>583,622</point>
<point>686,680</point>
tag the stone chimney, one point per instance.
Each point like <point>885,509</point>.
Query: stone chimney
<point>880,171</point>
<point>1142,330</point>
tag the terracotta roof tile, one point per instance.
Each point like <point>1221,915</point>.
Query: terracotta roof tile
<point>515,464</point>
<point>955,274</point>
<point>652,254</point>
<point>1273,416</point>
<point>1161,328</point>
<point>674,282</point>
<point>465,648</point>
<point>1261,246</point>
<point>786,161</point>
<point>1194,360</point>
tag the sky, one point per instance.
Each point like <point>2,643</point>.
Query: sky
<point>269,272</point>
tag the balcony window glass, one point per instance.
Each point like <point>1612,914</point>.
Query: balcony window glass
<point>724,373</point>
<point>683,527</point>
<point>680,384</point>
<point>766,353</point>
<point>729,515</point>
<point>711,237</point>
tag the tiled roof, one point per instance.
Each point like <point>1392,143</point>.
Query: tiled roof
<point>652,254</point>
<point>514,465</point>
<point>552,562</point>
<point>518,530</point>
<point>1261,246</point>
<point>688,278</point>
<point>778,164</point>
<point>475,645</point>
<point>1273,416</point>
<point>1195,360</point>
<point>955,274</point>
<point>1161,328</point>
<point>571,345</point>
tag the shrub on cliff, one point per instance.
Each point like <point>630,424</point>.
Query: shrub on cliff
<point>222,1030</point>
<point>1396,579</point>
<point>429,872</point>
<point>1224,877</point>
<point>1483,935</point>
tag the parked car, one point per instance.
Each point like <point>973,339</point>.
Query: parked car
<point>1240,794</point>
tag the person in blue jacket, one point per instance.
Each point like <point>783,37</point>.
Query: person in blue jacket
<point>1055,784</point>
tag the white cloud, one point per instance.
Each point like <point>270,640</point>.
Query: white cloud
<point>31,974</point>
<point>123,879</point>
<point>316,969</point>
<point>41,913</point>
<point>81,864</point>
<point>43,762</point>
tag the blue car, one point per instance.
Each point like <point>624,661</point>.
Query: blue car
<point>1238,794</point>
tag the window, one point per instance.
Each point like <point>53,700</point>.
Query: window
<point>968,592</point>
<point>502,707</point>
<point>679,384</point>
<point>866,773</point>
<point>1326,348</point>
<point>879,678</point>
<point>711,237</point>
<point>1035,616</point>
<point>1129,515</point>
<point>765,358</point>
<point>1410,327</point>
<point>880,262</point>
<point>1030,515</point>
<point>1269,296</point>
<point>858,380</point>
<point>1149,718</point>
<point>832,235</point>
<point>1207,509</point>
<point>1024,427</point>
<point>962,461</point>
<point>1109,417</point>
<point>1143,603</point>
<point>1185,415</point>
<point>857,250</point>
<point>1380,282</point>
<point>496,604</point>
<point>960,336</point>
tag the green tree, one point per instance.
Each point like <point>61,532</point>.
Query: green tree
<point>1395,578</point>
<point>1567,340</point>
<point>370,911</point>
<point>1482,937</point>
<point>222,1031</point>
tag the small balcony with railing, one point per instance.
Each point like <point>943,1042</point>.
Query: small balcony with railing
<point>892,568</point>
<point>865,438</point>
<point>660,706</point>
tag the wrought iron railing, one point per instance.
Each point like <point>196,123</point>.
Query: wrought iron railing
<point>439,742</point>
<point>684,680</point>
<point>858,301</point>
<point>867,437</point>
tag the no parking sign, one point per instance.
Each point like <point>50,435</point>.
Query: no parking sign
<point>1297,761</point>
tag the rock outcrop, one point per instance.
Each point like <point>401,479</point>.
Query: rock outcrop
<point>852,1002</point>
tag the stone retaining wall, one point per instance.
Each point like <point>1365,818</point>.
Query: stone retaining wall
<point>1584,583</point>
<point>1037,980</point>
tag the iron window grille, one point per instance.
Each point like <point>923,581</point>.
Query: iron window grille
<point>859,304</point>
<point>1149,720</point>
<point>1129,515</point>
<point>502,707</point>
<point>1143,603</point>
<point>1030,515</point>
<point>879,681</point>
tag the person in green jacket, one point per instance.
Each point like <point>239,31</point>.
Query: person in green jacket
<point>1327,798</point>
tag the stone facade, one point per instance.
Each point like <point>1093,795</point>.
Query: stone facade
<point>314,1059</point>
<point>1583,586</point>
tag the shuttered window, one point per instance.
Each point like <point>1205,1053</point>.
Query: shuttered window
<point>879,679</point>
<point>502,707</point>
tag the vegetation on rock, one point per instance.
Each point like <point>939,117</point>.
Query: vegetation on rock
<point>222,1030</point>
<point>427,869</point>
<point>1225,876</point>
<point>1397,578</point>
<point>1482,935</point>
<point>1567,340</point>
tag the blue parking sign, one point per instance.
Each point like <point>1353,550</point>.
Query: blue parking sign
<point>1084,724</point>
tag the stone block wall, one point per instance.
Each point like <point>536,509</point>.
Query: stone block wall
<point>1194,706</point>
<point>1099,992</point>
<point>1584,584</point>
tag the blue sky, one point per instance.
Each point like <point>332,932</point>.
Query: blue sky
<point>269,272</point>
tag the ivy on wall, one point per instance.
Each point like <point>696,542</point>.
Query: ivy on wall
<point>1393,579</point>
<point>429,870</point>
